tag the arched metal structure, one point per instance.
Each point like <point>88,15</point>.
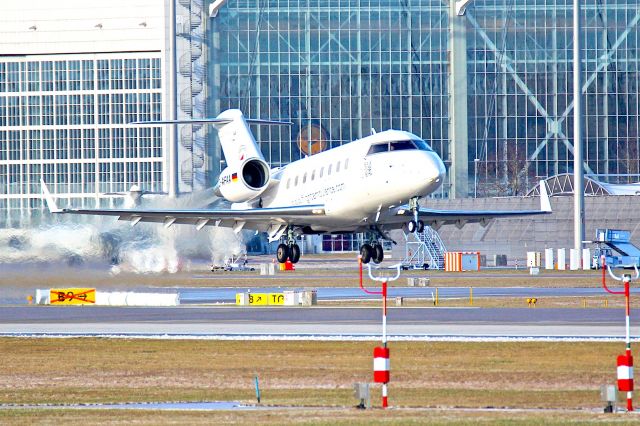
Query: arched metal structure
<point>562,184</point>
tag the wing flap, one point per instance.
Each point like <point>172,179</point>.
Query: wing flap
<point>254,218</point>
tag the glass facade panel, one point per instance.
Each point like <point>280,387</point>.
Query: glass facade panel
<point>520,92</point>
<point>350,66</point>
<point>345,67</point>
<point>63,121</point>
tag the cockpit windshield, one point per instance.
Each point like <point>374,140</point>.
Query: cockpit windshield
<point>399,146</point>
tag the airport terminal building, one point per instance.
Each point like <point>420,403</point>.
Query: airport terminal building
<point>489,90</point>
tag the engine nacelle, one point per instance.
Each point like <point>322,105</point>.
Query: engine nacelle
<point>245,183</point>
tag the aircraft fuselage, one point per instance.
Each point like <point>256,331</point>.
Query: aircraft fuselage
<point>357,180</point>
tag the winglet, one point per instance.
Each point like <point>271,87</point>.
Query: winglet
<point>545,204</point>
<point>51,204</point>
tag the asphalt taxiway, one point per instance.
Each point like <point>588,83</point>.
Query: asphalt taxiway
<point>315,322</point>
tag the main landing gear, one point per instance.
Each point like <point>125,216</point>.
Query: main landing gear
<point>289,250</point>
<point>371,252</point>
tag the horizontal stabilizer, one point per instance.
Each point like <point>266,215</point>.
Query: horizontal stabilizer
<point>212,121</point>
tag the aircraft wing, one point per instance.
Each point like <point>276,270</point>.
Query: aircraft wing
<point>438,217</point>
<point>263,219</point>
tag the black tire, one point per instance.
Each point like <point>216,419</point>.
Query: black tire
<point>420,227</point>
<point>411,226</point>
<point>294,253</point>
<point>283,253</point>
<point>366,251</point>
<point>378,253</point>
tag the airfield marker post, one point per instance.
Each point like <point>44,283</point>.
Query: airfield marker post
<point>381,364</point>
<point>625,362</point>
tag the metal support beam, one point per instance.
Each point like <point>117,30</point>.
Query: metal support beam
<point>578,171</point>
<point>458,125</point>
<point>212,31</point>
<point>172,107</point>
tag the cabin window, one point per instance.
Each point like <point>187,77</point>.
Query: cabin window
<point>338,167</point>
<point>346,163</point>
<point>288,183</point>
<point>296,182</point>
<point>329,170</point>
<point>304,178</point>
<point>313,174</point>
<point>321,171</point>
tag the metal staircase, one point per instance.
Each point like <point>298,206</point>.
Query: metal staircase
<point>424,249</point>
<point>192,88</point>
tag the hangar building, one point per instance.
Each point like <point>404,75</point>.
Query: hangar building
<point>490,90</point>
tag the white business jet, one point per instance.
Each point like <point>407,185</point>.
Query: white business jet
<point>370,185</point>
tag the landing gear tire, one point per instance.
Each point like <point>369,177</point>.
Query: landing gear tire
<point>366,251</point>
<point>420,226</point>
<point>411,226</point>
<point>378,253</point>
<point>294,253</point>
<point>282,254</point>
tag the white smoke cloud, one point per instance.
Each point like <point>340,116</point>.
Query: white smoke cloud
<point>142,248</point>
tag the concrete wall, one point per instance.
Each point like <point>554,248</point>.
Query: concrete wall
<point>514,237</point>
<point>38,27</point>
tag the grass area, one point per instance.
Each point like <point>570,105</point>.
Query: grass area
<point>578,302</point>
<point>349,416</point>
<point>434,380</point>
<point>25,280</point>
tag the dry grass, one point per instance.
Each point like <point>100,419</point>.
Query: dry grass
<point>342,416</point>
<point>341,276</point>
<point>578,302</point>
<point>305,374</point>
<point>315,376</point>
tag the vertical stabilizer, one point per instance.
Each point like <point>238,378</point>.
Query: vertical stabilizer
<point>236,139</point>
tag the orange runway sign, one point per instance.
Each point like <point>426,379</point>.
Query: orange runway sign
<point>72,296</point>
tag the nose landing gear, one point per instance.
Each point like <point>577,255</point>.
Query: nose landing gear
<point>415,225</point>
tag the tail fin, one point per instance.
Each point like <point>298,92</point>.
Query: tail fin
<point>238,143</point>
<point>236,138</point>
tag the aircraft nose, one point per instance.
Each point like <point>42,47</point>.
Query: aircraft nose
<point>434,170</point>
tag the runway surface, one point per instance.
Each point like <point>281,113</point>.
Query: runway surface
<point>316,322</point>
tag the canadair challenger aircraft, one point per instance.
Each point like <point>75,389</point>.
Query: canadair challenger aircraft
<point>370,185</point>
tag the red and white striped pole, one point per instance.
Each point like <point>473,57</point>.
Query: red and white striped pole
<point>625,362</point>
<point>625,371</point>
<point>381,364</point>
<point>381,369</point>
<point>625,377</point>
<point>387,364</point>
